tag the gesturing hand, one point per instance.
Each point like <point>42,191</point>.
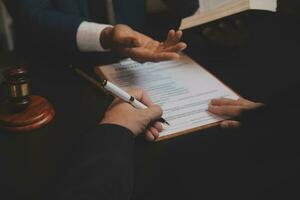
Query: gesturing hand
<point>231,108</point>
<point>136,120</point>
<point>140,47</point>
<point>152,50</point>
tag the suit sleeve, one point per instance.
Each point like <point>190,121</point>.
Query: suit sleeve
<point>43,25</point>
<point>102,167</point>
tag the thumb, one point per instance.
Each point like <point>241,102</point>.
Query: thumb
<point>230,124</point>
<point>153,113</point>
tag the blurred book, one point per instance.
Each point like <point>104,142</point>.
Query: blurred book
<point>211,10</point>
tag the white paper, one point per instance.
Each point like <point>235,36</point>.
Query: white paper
<point>182,88</point>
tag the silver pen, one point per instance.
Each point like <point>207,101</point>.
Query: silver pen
<point>121,94</point>
<point>116,91</point>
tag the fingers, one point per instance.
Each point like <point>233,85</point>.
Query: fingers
<point>154,51</point>
<point>152,113</point>
<point>158,126</point>
<point>145,55</point>
<point>230,107</point>
<point>173,38</point>
<point>176,48</point>
<point>152,133</point>
<point>170,38</point>
<point>178,35</point>
<point>141,95</point>
<point>246,104</point>
<point>149,136</point>
<point>230,124</point>
<point>226,101</point>
<point>162,56</point>
<point>227,110</point>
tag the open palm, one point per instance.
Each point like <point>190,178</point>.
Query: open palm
<point>152,50</point>
<point>142,48</point>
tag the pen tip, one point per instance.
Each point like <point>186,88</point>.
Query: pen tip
<point>165,126</point>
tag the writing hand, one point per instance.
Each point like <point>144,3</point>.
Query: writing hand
<point>136,120</point>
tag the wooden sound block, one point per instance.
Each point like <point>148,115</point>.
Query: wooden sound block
<point>38,114</point>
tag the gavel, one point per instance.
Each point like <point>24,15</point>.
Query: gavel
<point>20,111</point>
<point>18,89</point>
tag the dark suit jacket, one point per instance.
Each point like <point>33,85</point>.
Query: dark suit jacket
<point>47,24</point>
<point>102,166</point>
<point>51,25</point>
<point>103,162</point>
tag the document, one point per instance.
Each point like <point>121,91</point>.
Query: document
<point>181,87</point>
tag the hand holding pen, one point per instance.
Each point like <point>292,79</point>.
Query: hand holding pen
<point>118,92</point>
<point>124,114</point>
<point>152,132</point>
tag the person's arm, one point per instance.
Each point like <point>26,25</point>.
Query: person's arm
<point>44,25</point>
<point>102,166</point>
<point>48,28</point>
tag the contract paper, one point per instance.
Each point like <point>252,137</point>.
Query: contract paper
<point>181,87</point>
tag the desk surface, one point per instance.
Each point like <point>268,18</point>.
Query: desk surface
<point>36,159</point>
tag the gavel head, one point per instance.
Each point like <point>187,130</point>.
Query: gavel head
<point>18,88</point>
<point>21,112</point>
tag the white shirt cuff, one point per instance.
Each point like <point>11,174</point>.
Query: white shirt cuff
<point>88,37</point>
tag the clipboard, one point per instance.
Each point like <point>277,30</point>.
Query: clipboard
<point>105,72</point>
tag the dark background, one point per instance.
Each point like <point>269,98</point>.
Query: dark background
<point>264,66</point>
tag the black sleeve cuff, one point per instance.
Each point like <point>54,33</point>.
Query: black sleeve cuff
<point>107,138</point>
